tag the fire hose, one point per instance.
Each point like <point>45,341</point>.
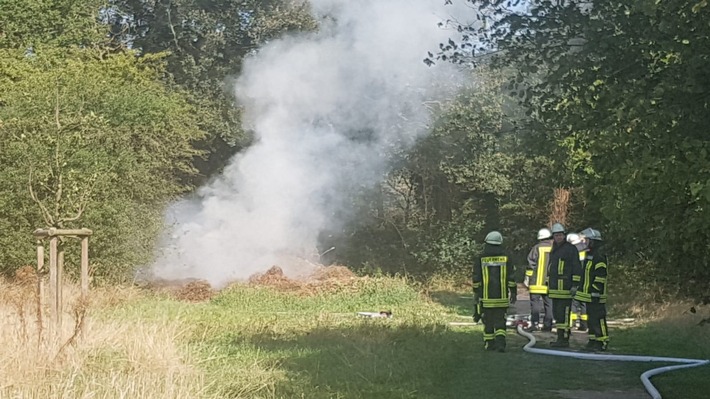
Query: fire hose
<point>645,377</point>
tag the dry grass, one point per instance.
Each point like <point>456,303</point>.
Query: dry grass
<point>88,357</point>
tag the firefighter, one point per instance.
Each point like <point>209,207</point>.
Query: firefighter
<point>494,290</point>
<point>564,264</point>
<point>536,281</point>
<point>592,290</point>
<point>578,317</point>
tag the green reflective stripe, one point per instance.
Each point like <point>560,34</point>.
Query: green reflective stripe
<point>561,267</point>
<point>600,279</point>
<point>560,284</point>
<point>495,303</point>
<point>529,272</point>
<point>576,278</point>
<point>499,333</point>
<point>587,276</point>
<point>476,285</point>
<point>560,294</point>
<point>484,272</point>
<point>538,289</point>
<point>583,296</point>
<point>503,278</point>
<point>512,284</point>
<point>600,265</point>
<point>543,255</point>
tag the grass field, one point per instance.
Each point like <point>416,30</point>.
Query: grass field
<point>260,342</point>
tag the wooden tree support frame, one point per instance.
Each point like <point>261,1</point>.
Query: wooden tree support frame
<point>56,267</point>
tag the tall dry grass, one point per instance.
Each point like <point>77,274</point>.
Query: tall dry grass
<point>89,357</point>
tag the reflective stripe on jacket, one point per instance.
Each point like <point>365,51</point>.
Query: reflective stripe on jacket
<point>493,277</point>
<point>537,267</point>
<point>592,279</point>
<point>564,265</point>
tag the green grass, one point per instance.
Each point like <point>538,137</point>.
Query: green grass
<point>259,343</point>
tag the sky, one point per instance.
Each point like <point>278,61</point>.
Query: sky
<point>325,109</point>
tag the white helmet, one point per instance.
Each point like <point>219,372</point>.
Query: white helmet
<point>544,234</point>
<point>557,228</point>
<point>592,234</point>
<point>494,238</point>
<point>574,238</point>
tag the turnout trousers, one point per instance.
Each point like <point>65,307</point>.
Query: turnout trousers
<point>494,328</point>
<point>579,313</point>
<point>597,323</point>
<point>541,303</point>
<point>561,313</point>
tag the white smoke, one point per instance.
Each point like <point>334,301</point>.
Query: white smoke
<point>326,109</point>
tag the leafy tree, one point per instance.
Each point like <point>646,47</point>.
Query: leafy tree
<point>90,140</point>
<point>206,42</point>
<point>31,23</point>
<point>622,88</point>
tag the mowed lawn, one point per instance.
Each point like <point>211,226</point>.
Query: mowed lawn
<point>261,342</point>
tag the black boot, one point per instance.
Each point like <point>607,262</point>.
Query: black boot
<point>489,345</point>
<point>500,343</point>
<point>582,325</point>
<point>591,346</point>
<point>595,346</point>
<point>562,340</point>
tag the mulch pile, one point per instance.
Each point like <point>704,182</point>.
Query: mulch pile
<point>321,279</point>
<point>195,291</point>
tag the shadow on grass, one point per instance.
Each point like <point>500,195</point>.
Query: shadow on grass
<point>461,304</point>
<point>377,360</point>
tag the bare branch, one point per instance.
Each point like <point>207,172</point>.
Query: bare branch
<point>46,215</point>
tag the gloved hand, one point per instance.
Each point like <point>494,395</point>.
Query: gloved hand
<point>526,281</point>
<point>573,291</point>
<point>513,295</point>
<point>476,298</point>
<point>477,315</point>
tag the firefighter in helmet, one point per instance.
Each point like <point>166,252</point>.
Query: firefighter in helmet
<point>536,281</point>
<point>592,290</point>
<point>564,264</point>
<point>494,290</point>
<point>578,317</point>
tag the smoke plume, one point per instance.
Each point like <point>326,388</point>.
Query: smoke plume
<point>326,109</point>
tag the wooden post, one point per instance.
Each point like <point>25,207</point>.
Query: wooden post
<point>84,267</point>
<point>40,282</point>
<point>53,277</point>
<point>60,289</point>
<point>56,268</point>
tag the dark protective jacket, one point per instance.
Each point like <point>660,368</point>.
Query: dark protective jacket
<point>537,266</point>
<point>494,278</point>
<point>564,265</point>
<point>592,278</point>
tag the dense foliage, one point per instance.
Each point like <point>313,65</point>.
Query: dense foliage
<point>108,110</point>
<point>623,88</point>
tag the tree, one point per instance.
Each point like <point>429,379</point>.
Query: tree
<point>206,42</point>
<point>90,140</point>
<point>622,87</point>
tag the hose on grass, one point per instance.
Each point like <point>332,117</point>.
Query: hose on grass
<point>645,377</point>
